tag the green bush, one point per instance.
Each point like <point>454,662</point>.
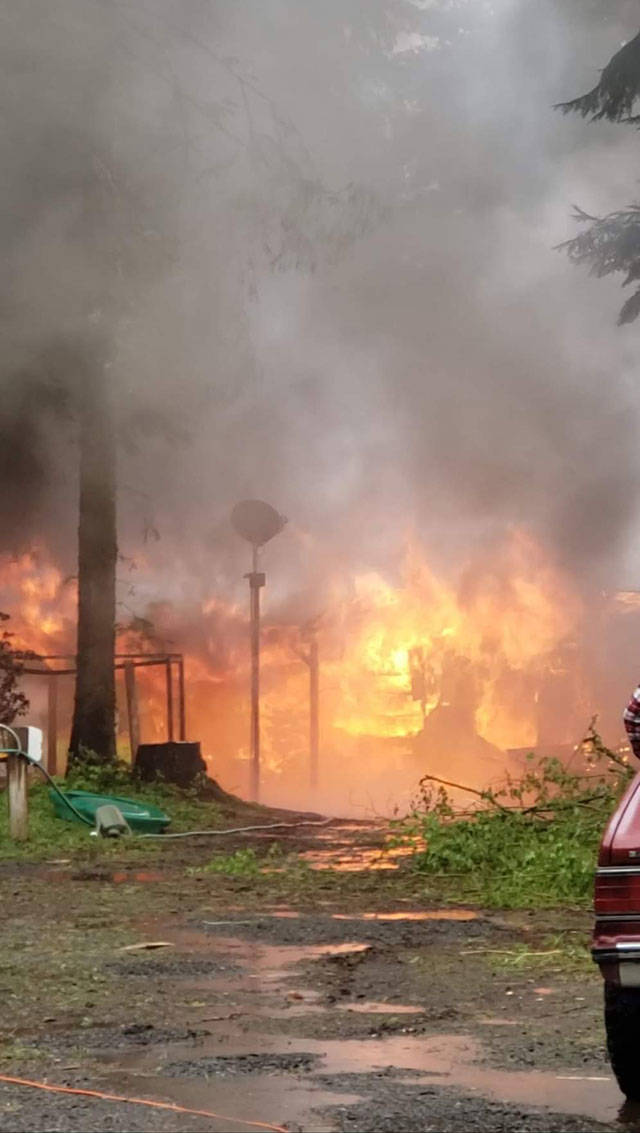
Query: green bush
<point>533,842</point>
<point>90,772</point>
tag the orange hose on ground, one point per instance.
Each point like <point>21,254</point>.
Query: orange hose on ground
<point>140,1101</point>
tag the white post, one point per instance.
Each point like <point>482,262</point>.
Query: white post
<point>18,804</point>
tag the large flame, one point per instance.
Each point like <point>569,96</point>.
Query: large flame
<point>399,651</point>
<point>40,601</point>
<point>415,672</point>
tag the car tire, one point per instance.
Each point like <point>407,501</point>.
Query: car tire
<point>622,1022</point>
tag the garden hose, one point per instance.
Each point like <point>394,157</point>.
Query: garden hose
<point>66,801</point>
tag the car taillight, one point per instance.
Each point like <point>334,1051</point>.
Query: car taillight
<point>617,891</point>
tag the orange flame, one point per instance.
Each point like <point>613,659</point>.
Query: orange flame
<point>41,602</point>
<point>412,671</point>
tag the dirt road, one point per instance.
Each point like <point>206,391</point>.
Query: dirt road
<point>368,1009</point>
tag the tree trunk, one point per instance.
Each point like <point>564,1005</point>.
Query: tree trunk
<point>95,700</point>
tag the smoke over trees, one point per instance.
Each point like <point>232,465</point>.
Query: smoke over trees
<point>611,244</point>
<point>119,235</point>
<point>310,249</point>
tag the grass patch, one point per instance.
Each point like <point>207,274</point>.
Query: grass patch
<point>245,863</point>
<point>277,871</point>
<point>52,837</point>
<point>65,982</point>
<point>562,952</point>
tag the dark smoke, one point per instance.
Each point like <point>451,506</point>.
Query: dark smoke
<point>317,240</point>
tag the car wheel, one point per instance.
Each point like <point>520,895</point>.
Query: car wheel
<point>622,1022</point>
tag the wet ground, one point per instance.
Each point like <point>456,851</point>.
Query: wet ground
<point>322,1014</point>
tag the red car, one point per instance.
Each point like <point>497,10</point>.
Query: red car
<point>616,937</point>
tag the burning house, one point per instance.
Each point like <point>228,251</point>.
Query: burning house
<point>417,675</point>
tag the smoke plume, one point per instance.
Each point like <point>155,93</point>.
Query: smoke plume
<point>312,247</point>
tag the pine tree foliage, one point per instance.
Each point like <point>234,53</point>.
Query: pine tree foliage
<point>619,86</point>
<point>611,243</point>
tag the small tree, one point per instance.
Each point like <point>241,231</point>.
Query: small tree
<point>13,702</point>
<point>612,243</point>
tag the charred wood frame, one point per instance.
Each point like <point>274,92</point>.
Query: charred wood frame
<point>127,663</point>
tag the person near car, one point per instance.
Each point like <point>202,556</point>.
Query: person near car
<point>632,722</point>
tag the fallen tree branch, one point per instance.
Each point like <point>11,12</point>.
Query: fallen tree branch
<point>561,804</point>
<point>485,795</point>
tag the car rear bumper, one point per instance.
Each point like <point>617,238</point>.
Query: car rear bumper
<point>619,963</point>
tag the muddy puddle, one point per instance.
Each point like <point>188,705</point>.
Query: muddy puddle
<point>258,1099</point>
<point>450,1061</point>
<point>357,858</point>
<point>401,915</point>
<point>411,915</point>
<point>297,1081</point>
<point>374,1007</point>
<point>225,965</point>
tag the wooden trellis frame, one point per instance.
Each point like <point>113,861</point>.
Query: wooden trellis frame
<point>126,662</point>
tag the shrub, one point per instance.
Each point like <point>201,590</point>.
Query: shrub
<point>534,841</point>
<point>13,703</point>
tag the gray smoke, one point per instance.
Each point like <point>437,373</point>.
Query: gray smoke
<point>318,240</point>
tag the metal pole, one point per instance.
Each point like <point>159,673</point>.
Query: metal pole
<point>52,726</point>
<point>314,729</point>
<point>170,735</point>
<point>256,581</point>
<point>181,700</point>
<point>132,708</point>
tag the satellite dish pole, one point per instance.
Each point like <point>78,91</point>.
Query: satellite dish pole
<point>257,580</point>
<point>314,728</point>
<point>309,634</point>
<point>257,522</point>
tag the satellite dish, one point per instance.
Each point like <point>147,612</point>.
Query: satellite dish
<point>256,521</point>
